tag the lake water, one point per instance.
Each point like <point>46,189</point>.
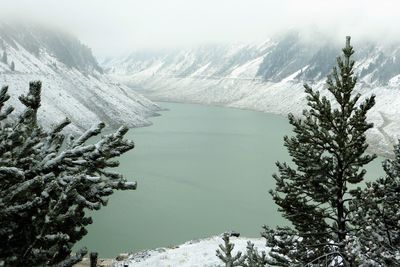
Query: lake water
<point>201,171</point>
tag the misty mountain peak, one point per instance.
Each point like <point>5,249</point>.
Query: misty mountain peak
<point>39,40</point>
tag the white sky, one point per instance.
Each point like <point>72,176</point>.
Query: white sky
<point>112,27</point>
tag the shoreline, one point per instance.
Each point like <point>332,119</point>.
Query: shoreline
<point>192,253</point>
<point>374,144</point>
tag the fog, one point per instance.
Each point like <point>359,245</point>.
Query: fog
<point>114,27</point>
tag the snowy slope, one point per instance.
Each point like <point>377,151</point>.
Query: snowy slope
<point>267,77</point>
<point>199,253</point>
<point>74,85</point>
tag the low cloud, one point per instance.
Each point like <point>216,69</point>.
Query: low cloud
<point>115,27</point>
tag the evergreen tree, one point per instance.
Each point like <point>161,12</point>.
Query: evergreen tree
<point>12,66</point>
<point>252,258</point>
<point>376,240</point>
<point>328,151</point>
<point>225,253</point>
<point>47,183</point>
<point>285,246</point>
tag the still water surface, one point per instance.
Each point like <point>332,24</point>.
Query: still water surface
<point>201,171</point>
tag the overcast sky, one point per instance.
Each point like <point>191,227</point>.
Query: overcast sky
<point>112,27</point>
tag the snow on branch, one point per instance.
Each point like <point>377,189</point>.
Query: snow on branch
<point>47,183</point>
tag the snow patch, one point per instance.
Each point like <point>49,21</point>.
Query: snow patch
<point>198,253</point>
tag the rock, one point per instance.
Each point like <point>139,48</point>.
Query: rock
<point>122,256</point>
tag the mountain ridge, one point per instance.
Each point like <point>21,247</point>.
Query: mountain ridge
<point>280,58</point>
<point>267,77</point>
<point>74,84</point>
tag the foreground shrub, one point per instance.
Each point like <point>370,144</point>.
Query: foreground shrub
<point>47,183</point>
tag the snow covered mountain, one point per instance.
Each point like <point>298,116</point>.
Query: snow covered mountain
<point>267,76</point>
<point>73,84</point>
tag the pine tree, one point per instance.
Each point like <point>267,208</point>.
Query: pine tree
<point>328,151</point>
<point>376,241</point>
<point>225,253</point>
<point>47,183</point>
<point>285,246</point>
<point>252,258</point>
<point>12,66</point>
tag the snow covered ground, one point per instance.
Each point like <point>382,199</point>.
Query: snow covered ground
<point>197,253</point>
<point>73,85</point>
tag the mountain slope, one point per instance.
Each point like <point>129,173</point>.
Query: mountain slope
<point>74,85</point>
<point>267,76</point>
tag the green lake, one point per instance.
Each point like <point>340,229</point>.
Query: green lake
<point>201,170</point>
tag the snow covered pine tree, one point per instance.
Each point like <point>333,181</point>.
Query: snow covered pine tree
<point>225,253</point>
<point>376,239</point>
<point>48,181</point>
<point>252,258</point>
<point>328,149</point>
